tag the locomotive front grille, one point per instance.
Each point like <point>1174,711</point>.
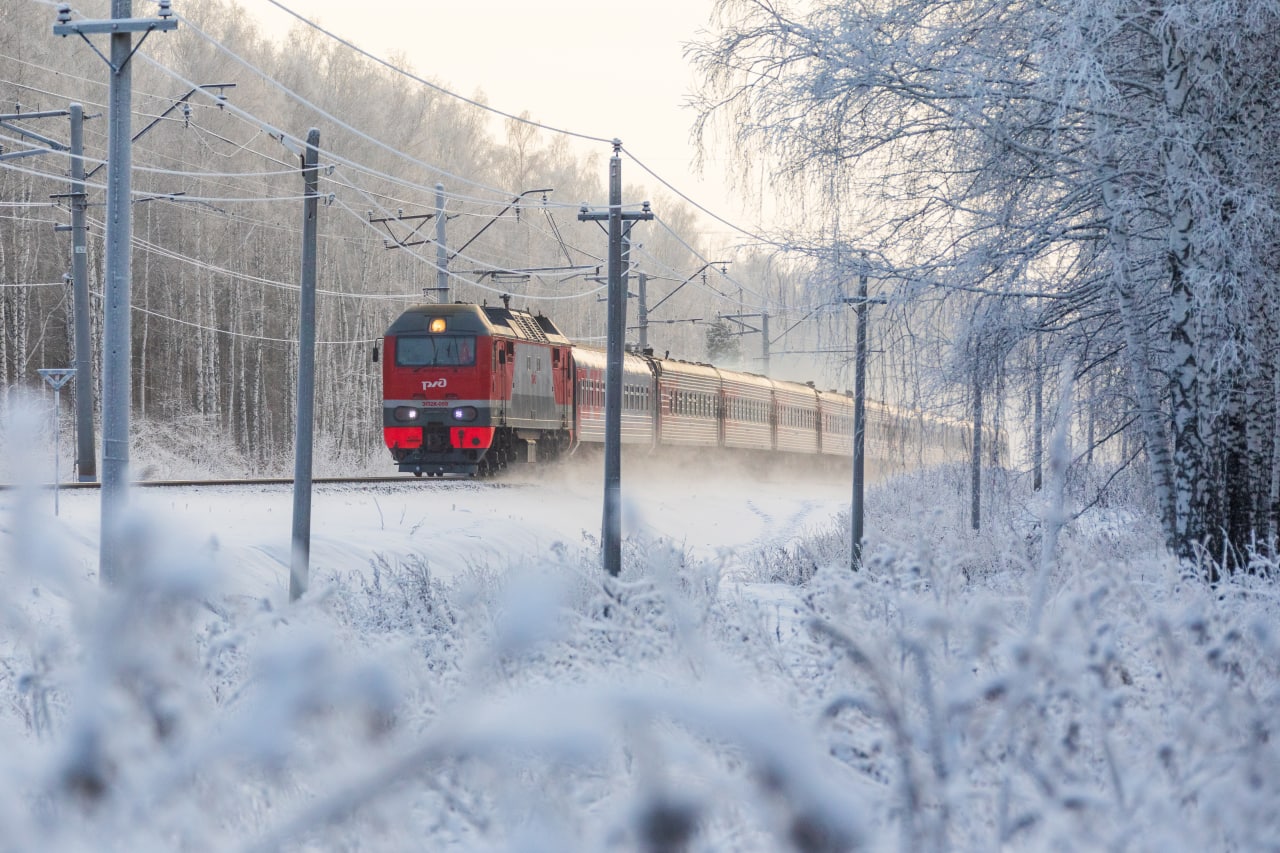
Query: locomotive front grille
<point>435,439</point>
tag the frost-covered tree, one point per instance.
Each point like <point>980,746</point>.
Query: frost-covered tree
<point>1092,174</point>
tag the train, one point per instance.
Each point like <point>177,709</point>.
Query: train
<point>472,389</point>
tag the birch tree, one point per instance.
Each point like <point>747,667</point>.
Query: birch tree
<point>1123,143</point>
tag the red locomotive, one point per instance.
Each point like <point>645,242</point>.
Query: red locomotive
<point>470,389</point>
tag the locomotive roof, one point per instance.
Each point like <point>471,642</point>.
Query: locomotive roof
<point>481,320</point>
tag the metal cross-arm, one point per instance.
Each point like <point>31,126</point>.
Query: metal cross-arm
<point>696,272</point>
<point>50,144</point>
<point>510,205</point>
<point>175,105</point>
<point>114,27</point>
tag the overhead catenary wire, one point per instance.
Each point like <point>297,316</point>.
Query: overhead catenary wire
<point>244,115</point>
<point>684,197</point>
<point>99,228</point>
<point>230,333</point>
<point>333,157</point>
<point>523,120</point>
<point>138,194</point>
<point>441,89</point>
<point>700,256</point>
<point>456,276</point>
<point>296,140</point>
<point>449,93</point>
<point>431,261</point>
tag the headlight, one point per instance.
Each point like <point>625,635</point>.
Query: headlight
<point>406,413</point>
<point>464,413</point>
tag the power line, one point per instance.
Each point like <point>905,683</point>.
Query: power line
<point>296,141</point>
<point>525,121</point>
<point>442,90</point>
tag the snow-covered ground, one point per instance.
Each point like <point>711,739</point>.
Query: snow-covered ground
<point>462,676</point>
<point>455,524</point>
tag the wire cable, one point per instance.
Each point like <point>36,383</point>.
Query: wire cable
<point>442,90</point>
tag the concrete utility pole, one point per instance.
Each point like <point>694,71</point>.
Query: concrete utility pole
<point>975,508</point>
<point>117,349</point>
<point>859,422</point>
<point>300,568</point>
<point>860,303</point>
<point>642,306</point>
<point>442,249</point>
<point>86,454</point>
<point>86,457</point>
<point>611,534</point>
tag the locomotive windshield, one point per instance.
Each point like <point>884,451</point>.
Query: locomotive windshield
<point>435,350</point>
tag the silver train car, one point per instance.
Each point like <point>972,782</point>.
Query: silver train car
<point>670,403</point>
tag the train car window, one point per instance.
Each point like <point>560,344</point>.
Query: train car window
<point>435,350</point>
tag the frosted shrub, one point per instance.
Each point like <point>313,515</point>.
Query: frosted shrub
<point>1132,717</point>
<point>695,703</point>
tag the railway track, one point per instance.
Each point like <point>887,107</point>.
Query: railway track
<point>281,481</point>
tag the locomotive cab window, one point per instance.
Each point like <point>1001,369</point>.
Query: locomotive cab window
<point>435,350</point>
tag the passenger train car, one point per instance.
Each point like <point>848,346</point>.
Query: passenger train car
<point>471,389</point>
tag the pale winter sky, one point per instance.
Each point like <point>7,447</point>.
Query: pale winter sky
<point>604,69</point>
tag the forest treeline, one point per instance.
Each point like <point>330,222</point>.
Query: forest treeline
<point>218,212</point>
<point>1036,191</point>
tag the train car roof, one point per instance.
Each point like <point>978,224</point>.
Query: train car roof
<point>844,397</point>
<point>480,320</point>
<point>596,358</point>
<point>733,380</point>
<point>676,367</point>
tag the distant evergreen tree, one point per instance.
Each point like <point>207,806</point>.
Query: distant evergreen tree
<point>722,344</point>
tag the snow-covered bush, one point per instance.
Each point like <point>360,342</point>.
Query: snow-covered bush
<point>755,701</point>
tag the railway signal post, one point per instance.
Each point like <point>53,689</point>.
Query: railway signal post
<point>57,377</point>
<point>611,532</point>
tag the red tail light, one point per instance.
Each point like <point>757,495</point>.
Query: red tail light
<point>471,438</point>
<point>404,438</point>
